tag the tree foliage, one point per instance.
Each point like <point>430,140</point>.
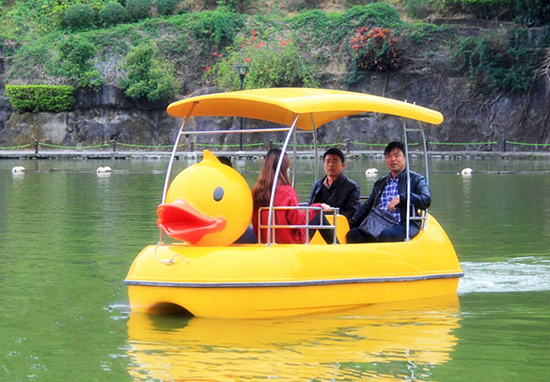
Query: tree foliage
<point>46,55</point>
<point>148,75</point>
<point>494,66</point>
<point>270,62</point>
<point>219,27</point>
<point>75,55</point>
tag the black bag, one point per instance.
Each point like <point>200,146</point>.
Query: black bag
<point>377,221</point>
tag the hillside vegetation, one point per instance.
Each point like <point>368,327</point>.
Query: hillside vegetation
<point>158,49</point>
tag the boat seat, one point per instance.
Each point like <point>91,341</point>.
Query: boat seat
<point>342,228</point>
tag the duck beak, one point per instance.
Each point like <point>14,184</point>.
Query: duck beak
<point>180,220</point>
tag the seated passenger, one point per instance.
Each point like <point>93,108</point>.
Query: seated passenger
<point>285,196</point>
<point>335,189</point>
<point>390,193</point>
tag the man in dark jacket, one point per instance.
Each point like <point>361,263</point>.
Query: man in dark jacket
<point>390,192</point>
<point>335,189</point>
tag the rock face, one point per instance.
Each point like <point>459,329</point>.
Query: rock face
<point>99,118</point>
<point>5,107</point>
<point>96,119</point>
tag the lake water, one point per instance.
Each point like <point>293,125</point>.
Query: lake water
<point>68,237</point>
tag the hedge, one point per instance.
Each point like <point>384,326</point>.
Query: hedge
<point>37,98</point>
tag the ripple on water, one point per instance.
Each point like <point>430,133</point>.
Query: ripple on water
<point>519,274</point>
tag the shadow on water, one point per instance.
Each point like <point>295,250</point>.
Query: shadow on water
<point>382,341</point>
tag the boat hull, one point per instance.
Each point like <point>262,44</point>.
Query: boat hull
<point>255,281</point>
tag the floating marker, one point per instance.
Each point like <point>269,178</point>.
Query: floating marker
<point>467,171</point>
<point>371,172</point>
<point>18,170</point>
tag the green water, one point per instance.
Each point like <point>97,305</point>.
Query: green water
<point>68,237</point>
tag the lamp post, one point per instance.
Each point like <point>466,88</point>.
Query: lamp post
<point>243,71</point>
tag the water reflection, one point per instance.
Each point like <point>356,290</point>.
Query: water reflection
<point>385,342</point>
<point>467,191</point>
<point>18,175</point>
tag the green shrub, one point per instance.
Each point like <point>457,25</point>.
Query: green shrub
<point>75,56</point>
<point>234,5</point>
<point>30,63</point>
<point>79,16</point>
<point>37,98</point>
<point>496,67</point>
<point>271,63</point>
<point>381,14</point>
<point>112,14</point>
<point>166,7</point>
<point>34,17</point>
<point>319,27</point>
<point>139,9</point>
<point>219,27</point>
<point>148,75</point>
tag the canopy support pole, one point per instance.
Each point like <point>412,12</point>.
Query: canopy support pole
<point>275,181</point>
<point>315,154</point>
<point>426,164</point>
<point>408,222</point>
<point>171,162</point>
<point>295,158</point>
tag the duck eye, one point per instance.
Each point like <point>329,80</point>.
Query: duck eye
<point>218,194</point>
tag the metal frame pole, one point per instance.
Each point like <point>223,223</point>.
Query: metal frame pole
<point>275,180</point>
<point>315,154</point>
<point>171,162</point>
<point>407,237</point>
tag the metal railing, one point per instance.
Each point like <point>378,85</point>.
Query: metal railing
<point>424,214</point>
<point>271,238</point>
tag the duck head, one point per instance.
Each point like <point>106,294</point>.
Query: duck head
<point>207,204</point>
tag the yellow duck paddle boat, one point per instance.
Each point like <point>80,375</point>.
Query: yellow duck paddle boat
<point>209,205</point>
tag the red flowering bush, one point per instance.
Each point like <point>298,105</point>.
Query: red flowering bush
<point>375,49</point>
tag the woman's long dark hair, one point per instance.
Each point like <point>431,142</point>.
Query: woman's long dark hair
<point>261,191</point>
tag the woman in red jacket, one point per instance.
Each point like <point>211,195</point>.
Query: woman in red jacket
<point>284,196</point>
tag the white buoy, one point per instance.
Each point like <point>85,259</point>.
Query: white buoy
<point>18,170</point>
<point>369,172</point>
<point>466,172</point>
<point>103,170</point>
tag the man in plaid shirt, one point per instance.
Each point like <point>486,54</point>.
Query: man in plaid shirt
<point>391,194</point>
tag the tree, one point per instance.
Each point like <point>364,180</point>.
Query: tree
<point>148,74</point>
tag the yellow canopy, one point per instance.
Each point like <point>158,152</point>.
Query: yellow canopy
<point>281,105</point>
